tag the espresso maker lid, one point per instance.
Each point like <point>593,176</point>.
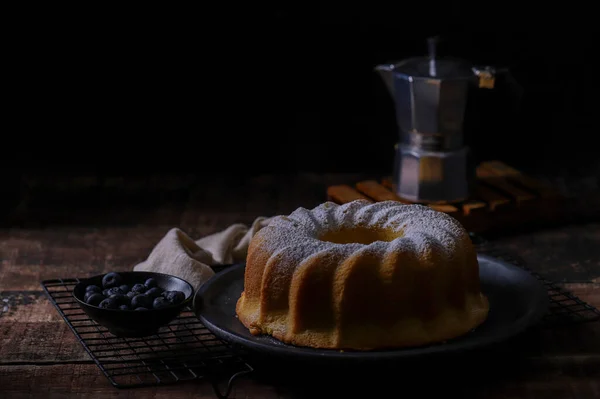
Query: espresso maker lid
<point>434,67</point>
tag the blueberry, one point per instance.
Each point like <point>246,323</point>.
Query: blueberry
<point>139,288</point>
<point>114,291</point>
<point>154,292</point>
<point>105,292</point>
<point>174,297</point>
<point>150,283</point>
<point>120,299</point>
<point>123,307</point>
<point>126,300</point>
<point>93,288</point>
<point>89,294</point>
<point>124,288</point>
<point>95,299</point>
<point>130,295</point>
<point>142,301</point>
<point>160,302</point>
<point>111,279</point>
<point>109,303</point>
<point>141,308</point>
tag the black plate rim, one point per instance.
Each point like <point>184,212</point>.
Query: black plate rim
<point>535,314</point>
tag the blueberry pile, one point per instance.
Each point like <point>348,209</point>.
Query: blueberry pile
<point>115,295</point>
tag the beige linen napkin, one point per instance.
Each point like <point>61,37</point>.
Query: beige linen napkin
<point>180,255</point>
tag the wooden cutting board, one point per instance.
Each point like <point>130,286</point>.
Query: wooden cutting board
<point>503,197</point>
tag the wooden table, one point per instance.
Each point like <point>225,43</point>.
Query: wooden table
<point>81,226</point>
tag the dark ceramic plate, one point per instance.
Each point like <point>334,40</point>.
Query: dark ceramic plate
<point>517,301</point>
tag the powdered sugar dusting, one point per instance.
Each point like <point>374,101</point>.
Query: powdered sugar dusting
<point>371,215</point>
<point>306,218</point>
<point>343,215</point>
<point>422,227</point>
<point>294,254</point>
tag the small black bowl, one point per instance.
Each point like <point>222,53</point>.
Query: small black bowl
<point>135,323</point>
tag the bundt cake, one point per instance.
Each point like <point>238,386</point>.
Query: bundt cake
<point>362,276</point>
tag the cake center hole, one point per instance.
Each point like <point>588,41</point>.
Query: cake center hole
<point>361,235</point>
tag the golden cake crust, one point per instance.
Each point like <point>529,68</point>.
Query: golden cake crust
<point>362,276</point>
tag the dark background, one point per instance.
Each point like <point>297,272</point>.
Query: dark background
<point>284,89</point>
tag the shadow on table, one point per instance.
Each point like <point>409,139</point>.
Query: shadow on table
<point>297,380</point>
<point>504,369</point>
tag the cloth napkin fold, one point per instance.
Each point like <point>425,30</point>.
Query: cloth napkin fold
<point>180,255</point>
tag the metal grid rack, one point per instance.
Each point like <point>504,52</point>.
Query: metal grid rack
<point>184,350</point>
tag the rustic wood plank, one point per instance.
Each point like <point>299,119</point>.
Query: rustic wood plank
<point>491,197</point>
<point>386,181</point>
<point>489,178</point>
<point>501,169</point>
<point>446,208</point>
<point>343,193</point>
<point>32,330</point>
<point>587,292</point>
<point>471,206</point>
<point>484,376</point>
<point>29,343</point>
<point>32,255</point>
<point>83,380</point>
<point>569,254</point>
<point>558,377</point>
<point>373,189</point>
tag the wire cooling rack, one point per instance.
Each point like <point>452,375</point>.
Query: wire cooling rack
<point>184,350</point>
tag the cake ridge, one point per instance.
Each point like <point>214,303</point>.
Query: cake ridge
<point>276,285</point>
<point>305,216</point>
<point>310,273</point>
<point>369,214</point>
<point>344,214</point>
<point>349,269</point>
<point>323,214</point>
